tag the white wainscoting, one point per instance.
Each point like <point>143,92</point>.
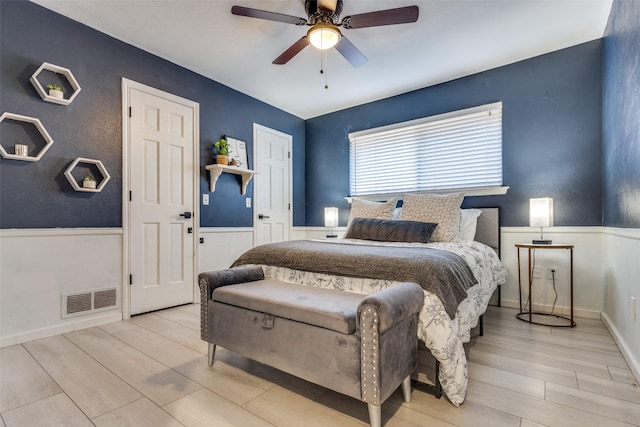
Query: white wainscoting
<point>37,265</point>
<point>588,288</point>
<point>222,246</point>
<point>621,272</point>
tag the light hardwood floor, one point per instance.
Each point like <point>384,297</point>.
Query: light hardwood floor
<point>152,371</point>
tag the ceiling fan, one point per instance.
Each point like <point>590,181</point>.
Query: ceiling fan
<point>323,18</point>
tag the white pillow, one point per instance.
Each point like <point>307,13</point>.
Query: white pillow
<point>468,223</point>
<point>366,209</point>
<point>442,209</point>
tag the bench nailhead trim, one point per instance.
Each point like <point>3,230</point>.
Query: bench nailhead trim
<point>369,352</point>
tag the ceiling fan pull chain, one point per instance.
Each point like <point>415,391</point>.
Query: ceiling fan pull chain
<point>326,75</point>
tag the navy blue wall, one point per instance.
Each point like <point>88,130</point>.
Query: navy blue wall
<point>621,110</point>
<point>37,195</point>
<point>552,115</point>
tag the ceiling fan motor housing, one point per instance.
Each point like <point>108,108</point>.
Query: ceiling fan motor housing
<point>318,15</point>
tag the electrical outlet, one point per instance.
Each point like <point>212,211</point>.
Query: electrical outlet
<point>552,273</point>
<point>634,309</point>
<point>205,199</point>
<point>537,272</point>
<point>247,202</point>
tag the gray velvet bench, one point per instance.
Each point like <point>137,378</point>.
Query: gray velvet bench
<point>363,346</point>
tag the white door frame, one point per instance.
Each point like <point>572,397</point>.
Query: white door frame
<point>256,128</point>
<point>126,266</point>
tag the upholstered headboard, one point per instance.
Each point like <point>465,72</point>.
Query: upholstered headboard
<point>488,228</point>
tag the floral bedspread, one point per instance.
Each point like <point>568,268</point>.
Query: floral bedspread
<point>443,336</point>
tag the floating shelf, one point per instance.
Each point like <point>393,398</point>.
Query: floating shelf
<point>74,183</point>
<point>216,170</point>
<point>43,132</point>
<point>58,70</point>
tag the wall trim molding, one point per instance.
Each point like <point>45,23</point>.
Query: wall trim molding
<point>211,230</point>
<point>46,232</point>
<point>631,233</point>
<point>628,233</point>
<point>596,229</point>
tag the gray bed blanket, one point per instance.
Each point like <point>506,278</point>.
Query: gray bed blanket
<point>442,273</point>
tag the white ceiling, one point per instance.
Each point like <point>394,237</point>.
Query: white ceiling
<point>451,39</point>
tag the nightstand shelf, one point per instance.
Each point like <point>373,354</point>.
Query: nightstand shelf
<point>528,316</point>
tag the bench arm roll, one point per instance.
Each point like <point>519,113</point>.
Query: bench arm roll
<point>394,304</point>
<point>211,280</point>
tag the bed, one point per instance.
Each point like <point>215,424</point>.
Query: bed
<point>446,320</point>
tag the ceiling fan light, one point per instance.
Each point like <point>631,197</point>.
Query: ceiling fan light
<point>324,36</point>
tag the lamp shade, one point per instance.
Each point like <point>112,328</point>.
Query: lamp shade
<point>324,36</point>
<point>331,217</point>
<point>541,212</point>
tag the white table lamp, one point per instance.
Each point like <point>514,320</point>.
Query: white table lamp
<point>331,220</point>
<point>541,215</point>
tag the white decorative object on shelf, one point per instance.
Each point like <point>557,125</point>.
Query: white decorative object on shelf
<point>103,171</point>
<point>216,170</point>
<point>21,149</point>
<point>58,70</point>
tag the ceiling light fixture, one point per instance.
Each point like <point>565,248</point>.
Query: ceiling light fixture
<point>323,36</point>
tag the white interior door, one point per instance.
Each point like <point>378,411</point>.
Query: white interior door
<point>161,200</point>
<point>272,185</point>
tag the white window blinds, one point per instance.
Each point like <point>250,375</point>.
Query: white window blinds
<point>460,149</point>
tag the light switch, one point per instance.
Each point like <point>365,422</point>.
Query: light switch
<point>248,202</point>
<point>205,199</point>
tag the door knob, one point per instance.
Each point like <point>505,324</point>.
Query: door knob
<point>187,215</point>
<point>260,216</point>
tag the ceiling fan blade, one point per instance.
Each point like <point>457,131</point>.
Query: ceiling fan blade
<point>271,16</point>
<point>351,53</point>
<point>328,5</point>
<point>401,15</point>
<point>292,51</point>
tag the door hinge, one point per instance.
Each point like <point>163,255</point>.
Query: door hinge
<point>130,112</point>
<point>131,279</point>
<point>289,206</point>
<point>130,196</point>
<point>288,154</point>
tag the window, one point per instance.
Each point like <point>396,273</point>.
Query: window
<point>452,151</point>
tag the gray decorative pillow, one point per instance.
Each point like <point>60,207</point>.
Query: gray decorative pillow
<point>366,209</point>
<point>390,230</point>
<point>442,209</point>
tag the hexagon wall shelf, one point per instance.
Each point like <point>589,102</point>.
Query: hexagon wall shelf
<point>58,70</point>
<point>39,127</point>
<point>103,171</point>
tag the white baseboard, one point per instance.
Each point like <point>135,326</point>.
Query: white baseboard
<point>634,364</point>
<point>565,311</point>
<point>70,326</point>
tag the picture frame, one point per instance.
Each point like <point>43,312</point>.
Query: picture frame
<point>238,152</point>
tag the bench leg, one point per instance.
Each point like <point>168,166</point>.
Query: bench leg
<point>375,415</point>
<point>406,389</point>
<point>211,351</point>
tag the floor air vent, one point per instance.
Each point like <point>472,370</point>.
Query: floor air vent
<point>88,302</point>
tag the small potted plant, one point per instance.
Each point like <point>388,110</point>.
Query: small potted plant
<point>223,148</point>
<point>89,182</point>
<point>55,91</point>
